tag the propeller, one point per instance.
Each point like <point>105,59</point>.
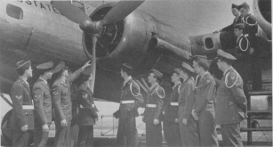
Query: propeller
<point>117,13</point>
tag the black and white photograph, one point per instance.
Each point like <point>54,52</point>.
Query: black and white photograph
<point>136,73</point>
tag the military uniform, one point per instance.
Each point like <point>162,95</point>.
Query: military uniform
<point>204,108</point>
<point>170,127</point>
<point>87,115</point>
<point>189,132</point>
<point>153,110</point>
<point>63,108</point>
<point>43,111</point>
<point>75,111</point>
<point>230,104</point>
<point>130,100</point>
<point>22,113</point>
<point>251,30</point>
<point>230,107</point>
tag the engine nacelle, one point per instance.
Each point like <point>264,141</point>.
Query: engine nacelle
<point>262,11</point>
<point>122,41</point>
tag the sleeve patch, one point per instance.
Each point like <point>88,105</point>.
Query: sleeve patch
<point>84,95</point>
<point>18,97</point>
<point>37,96</point>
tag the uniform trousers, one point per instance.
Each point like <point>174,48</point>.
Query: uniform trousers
<point>85,136</point>
<point>63,136</point>
<point>231,135</point>
<point>153,134</point>
<point>172,133</point>
<point>40,137</point>
<point>127,133</point>
<point>207,129</point>
<point>20,138</point>
<point>74,133</point>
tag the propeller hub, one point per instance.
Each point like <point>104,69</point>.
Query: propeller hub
<point>89,26</point>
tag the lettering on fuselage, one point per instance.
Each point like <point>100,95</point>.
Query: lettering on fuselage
<point>41,5</point>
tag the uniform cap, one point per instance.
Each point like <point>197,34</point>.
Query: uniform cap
<point>226,55</point>
<point>127,67</point>
<point>177,70</point>
<point>157,73</point>
<point>239,26</point>
<point>187,67</point>
<point>59,67</point>
<point>202,60</point>
<point>45,66</point>
<point>244,5</point>
<point>234,6</point>
<point>23,64</point>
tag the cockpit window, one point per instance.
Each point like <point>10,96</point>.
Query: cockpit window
<point>14,11</point>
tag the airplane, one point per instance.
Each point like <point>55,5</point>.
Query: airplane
<point>156,34</point>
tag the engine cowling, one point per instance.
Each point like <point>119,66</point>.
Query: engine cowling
<point>123,41</point>
<point>262,11</point>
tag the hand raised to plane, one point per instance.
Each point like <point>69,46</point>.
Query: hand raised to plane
<point>86,64</point>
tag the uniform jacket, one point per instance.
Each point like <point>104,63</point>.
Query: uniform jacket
<point>241,50</point>
<point>230,99</point>
<point>204,94</point>
<point>87,109</point>
<point>130,99</point>
<point>185,99</point>
<point>21,97</point>
<point>62,98</point>
<point>251,28</point>
<point>154,98</point>
<point>42,102</point>
<point>171,104</point>
<point>231,26</point>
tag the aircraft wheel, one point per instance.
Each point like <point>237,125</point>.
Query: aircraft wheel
<point>255,124</point>
<point>6,131</point>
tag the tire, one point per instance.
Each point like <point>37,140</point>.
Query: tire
<point>255,124</point>
<point>6,131</point>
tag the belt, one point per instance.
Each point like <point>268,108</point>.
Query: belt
<point>28,107</point>
<point>93,105</point>
<point>174,104</point>
<point>151,105</point>
<point>127,102</point>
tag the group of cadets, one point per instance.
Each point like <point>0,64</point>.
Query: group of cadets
<point>189,114</point>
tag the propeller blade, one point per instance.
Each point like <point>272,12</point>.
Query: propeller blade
<point>93,66</point>
<point>70,11</point>
<point>120,11</point>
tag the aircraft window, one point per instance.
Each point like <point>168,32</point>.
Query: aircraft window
<point>209,43</point>
<point>14,11</point>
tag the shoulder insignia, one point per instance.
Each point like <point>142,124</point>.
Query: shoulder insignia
<point>85,95</point>
<point>231,79</point>
<point>18,97</point>
<point>37,96</point>
<point>160,92</point>
<point>55,93</point>
<point>208,81</point>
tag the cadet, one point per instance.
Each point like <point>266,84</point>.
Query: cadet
<point>22,119</point>
<point>203,110</point>
<point>43,103</point>
<point>62,105</point>
<point>188,126</point>
<point>251,29</point>
<point>130,100</point>
<point>242,53</point>
<point>229,41</point>
<point>153,110</point>
<point>230,101</point>
<point>87,110</point>
<point>170,111</point>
